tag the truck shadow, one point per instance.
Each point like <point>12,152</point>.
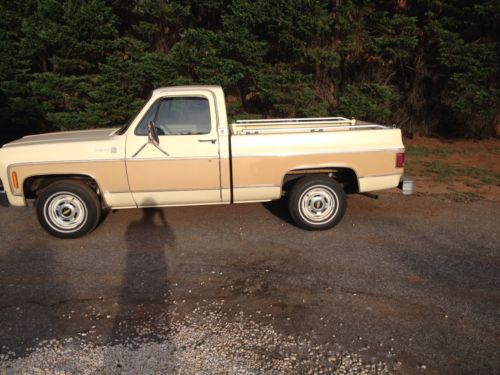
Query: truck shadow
<point>143,299</point>
<point>279,208</point>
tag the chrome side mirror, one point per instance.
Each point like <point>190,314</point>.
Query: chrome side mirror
<point>153,139</point>
<point>153,134</point>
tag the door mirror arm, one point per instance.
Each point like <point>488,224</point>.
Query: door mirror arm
<point>153,139</point>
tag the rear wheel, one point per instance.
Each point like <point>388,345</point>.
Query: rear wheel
<point>317,202</point>
<point>68,209</point>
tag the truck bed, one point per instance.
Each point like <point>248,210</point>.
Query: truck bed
<point>265,151</point>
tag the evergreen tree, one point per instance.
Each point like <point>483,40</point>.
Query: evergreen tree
<point>431,66</point>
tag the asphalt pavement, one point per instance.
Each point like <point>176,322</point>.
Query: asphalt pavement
<point>412,281</point>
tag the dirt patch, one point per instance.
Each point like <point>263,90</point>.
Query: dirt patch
<point>461,169</point>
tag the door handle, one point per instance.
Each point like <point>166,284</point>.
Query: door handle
<point>208,140</point>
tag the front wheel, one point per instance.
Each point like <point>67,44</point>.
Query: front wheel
<point>317,202</point>
<point>68,209</point>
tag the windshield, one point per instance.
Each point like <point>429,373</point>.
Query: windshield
<point>124,128</point>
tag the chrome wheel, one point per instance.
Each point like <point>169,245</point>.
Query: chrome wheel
<point>68,208</point>
<point>318,204</point>
<point>65,211</point>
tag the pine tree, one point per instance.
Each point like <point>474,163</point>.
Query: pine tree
<point>430,66</point>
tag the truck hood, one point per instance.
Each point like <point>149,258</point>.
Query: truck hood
<point>63,137</point>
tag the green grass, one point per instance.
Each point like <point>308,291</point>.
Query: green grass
<point>423,151</point>
<point>486,176</point>
<point>472,195</point>
<point>447,172</point>
<point>495,150</point>
<point>440,170</point>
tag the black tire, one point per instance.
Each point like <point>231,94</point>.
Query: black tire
<point>317,202</point>
<point>68,209</point>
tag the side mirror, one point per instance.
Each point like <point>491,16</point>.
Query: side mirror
<point>152,139</point>
<point>153,134</point>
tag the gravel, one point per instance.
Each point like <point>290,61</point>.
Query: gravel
<point>205,341</point>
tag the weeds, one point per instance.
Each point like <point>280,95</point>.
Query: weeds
<point>457,166</point>
<point>447,172</point>
<point>466,196</point>
<point>495,150</point>
<point>472,195</point>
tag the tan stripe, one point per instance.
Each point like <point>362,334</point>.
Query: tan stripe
<point>317,153</point>
<point>162,175</point>
<point>110,175</point>
<point>271,170</point>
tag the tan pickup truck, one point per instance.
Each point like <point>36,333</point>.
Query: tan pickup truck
<point>179,150</point>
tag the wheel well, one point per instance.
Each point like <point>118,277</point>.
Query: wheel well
<point>345,176</point>
<point>34,184</point>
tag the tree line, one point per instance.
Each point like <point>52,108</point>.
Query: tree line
<point>429,66</point>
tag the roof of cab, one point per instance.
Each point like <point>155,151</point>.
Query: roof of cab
<point>190,87</point>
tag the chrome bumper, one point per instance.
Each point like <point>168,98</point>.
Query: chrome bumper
<point>3,197</point>
<point>406,185</point>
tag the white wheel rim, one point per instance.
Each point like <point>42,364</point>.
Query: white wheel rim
<point>65,212</point>
<point>318,204</point>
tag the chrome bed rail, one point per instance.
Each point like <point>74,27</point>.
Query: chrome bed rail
<point>300,125</point>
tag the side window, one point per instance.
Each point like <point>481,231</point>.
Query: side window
<point>183,116</point>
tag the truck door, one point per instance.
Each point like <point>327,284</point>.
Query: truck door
<point>184,169</point>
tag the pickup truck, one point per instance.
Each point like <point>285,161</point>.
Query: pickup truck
<point>180,150</point>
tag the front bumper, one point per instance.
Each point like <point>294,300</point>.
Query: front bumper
<point>406,185</point>
<point>3,196</point>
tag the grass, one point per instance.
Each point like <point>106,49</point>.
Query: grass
<point>495,150</point>
<point>471,195</point>
<point>440,170</point>
<point>446,172</point>
<point>468,169</point>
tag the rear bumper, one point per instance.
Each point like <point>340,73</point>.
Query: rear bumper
<point>406,185</point>
<point>3,196</point>
<point>375,183</point>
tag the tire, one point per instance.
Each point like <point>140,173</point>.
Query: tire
<point>317,203</point>
<point>68,209</point>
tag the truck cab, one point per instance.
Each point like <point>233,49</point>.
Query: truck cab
<point>191,164</point>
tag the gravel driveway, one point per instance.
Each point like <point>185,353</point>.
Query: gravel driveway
<point>401,285</point>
